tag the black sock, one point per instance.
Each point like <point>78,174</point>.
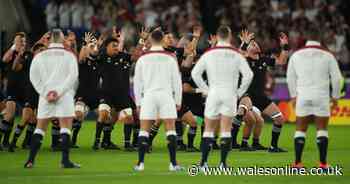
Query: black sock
<point>225,145</point>
<point>143,146</point>
<point>107,131</point>
<point>29,133</point>
<point>127,134</point>
<point>135,133</point>
<point>65,147</point>
<point>7,134</point>
<point>172,148</point>
<point>153,133</point>
<point>191,135</point>
<point>179,132</point>
<point>205,148</point>
<point>244,142</point>
<point>202,130</point>
<point>76,126</point>
<point>234,133</point>
<point>299,143</point>
<point>276,131</point>
<point>55,134</point>
<point>322,143</point>
<point>35,146</point>
<point>256,141</point>
<point>18,132</point>
<point>4,127</point>
<point>99,128</point>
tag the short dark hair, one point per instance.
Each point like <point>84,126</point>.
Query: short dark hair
<point>109,40</point>
<point>37,46</point>
<point>157,36</point>
<point>223,32</point>
<point>21,34</point>
<point>313,32</point>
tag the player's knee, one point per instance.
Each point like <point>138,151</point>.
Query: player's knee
<point>278,118</point>
<point>171,138</point>
<point>103,115</point>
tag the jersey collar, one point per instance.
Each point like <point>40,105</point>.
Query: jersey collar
<point>156,48</point>
<point>223,44</point>
<point>311,42</point>
<point>55,45</point>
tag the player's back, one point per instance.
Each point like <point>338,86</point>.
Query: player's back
<point>157,71</point>
<point>53,65</point>
<point>312,65</point>
<point>222,67</point>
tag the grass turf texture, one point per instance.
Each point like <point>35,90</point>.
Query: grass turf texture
<point>116,166</point>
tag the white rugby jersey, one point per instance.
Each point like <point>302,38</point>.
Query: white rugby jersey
<point>310,72</point>
<point>223,64</point>
<point>157,71</point>
<point>55,69</point>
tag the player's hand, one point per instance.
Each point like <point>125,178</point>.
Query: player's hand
<point>334,103</point>
<point>52,96</point>
<point>245,36</point>
<point>189,49</point>
<point>197,30</point>
<point>283,38</point>
<point>212,40</point>
<point>293,101</point>
<point>178,107</point>
<point>144,33</point>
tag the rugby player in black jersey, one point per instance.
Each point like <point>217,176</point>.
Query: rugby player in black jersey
<point>115,100</point>
<point>87,92</point>
<point>31,100</point>
<point>259,63</point>
<point>15,85</point>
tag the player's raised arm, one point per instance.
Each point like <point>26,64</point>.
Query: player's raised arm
<point>247,76</point>
<point>197,72</point>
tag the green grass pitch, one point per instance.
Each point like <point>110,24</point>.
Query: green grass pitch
<point>116,166</point>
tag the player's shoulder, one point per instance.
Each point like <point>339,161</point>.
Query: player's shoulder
<point>318,48</point>
<point>158,52</point>
<point>231,49</point>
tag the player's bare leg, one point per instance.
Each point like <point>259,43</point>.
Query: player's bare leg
<point>189,118</point>
<point>250,122</point>
<point>7,123</point>
<point>27,114</point>
<point>257,132</point>
<point>80,112</point>
<point>38,135</point>
<point>245,104</point>
<point>278,120</point>
<point>299,138</point>
<point>103,114</point>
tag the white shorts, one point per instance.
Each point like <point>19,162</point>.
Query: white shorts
<point>318,107</point>
<point>64,107</point>
<point>158,105</point>
<point>220,104</point>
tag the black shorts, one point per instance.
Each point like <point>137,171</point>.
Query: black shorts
<point>118,102</point>
<point>31,98</point>
<point>17,94</point>
<point>184,109</point>
<point>260,101</point>
<point>198,110</point>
